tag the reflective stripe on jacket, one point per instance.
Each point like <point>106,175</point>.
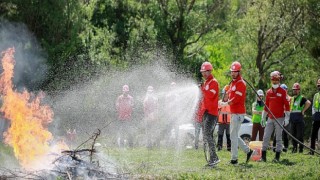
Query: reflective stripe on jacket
<point>237,96</point>
<point>210,93</point>
<point>295,104</point>
<point>256,118</point>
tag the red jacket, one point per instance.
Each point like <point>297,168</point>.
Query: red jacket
<point>150,106</point>
<point>277,102</point>
<point>237,96</point>
<point>124,106</point>
<point>210,93</point>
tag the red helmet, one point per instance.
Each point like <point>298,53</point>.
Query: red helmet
<point>318,82</point>
<point>296,86</point>
<point>275,75</point>
<point>125,88</point>
<point>206,66</point>
<point>235,66</point>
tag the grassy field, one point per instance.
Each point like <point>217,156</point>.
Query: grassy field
<point>189,164</point>
<point>163,163</point>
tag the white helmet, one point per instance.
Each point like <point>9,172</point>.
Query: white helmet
<point>125,88</point>
<point>150,89</point>
<point>260,92</point>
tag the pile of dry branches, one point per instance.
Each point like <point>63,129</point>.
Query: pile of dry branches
<point>72,164</point>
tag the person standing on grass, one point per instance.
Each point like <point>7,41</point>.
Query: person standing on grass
<point>285,136</point>
<point>124,106</point>
<point>237,97</point>
<point>224,121</point>
<point>210,94</point>
<point>277,109</point>
<point>298,106</point>
<point>198,127</point>
<point>316,118</point>
<point>257,108</point>
<point>172,112</point>
<point>150,108</point>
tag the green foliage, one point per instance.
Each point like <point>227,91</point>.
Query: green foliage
<point>313,21</point>
<point>181,23</point>
<point>130,27</point>
<point>84,38</point>
<point>270,33</point>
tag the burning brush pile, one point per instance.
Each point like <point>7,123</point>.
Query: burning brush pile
<point>39,155</point>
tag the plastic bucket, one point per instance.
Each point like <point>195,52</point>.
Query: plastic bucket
<point>256,147</point>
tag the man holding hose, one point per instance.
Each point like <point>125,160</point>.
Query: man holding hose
<point>277,108</point>
<point>237,97</point>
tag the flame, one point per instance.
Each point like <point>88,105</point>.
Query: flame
<point>28,133</point>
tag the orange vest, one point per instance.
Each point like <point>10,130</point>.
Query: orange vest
<point>224,115</point>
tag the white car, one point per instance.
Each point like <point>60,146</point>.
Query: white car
<point>187,132</point>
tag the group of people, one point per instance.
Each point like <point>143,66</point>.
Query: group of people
<point>269,116</point>
<point>153,129</point>
<point>234,97</point>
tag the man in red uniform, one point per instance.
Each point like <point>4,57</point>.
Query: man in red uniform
<point>150,108</point>
<point>237,97</point>
<point>277,108</point>
<point>124,105</point>
<point>210,94</point>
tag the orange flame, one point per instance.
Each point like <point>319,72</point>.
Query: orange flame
<point>28,133</point>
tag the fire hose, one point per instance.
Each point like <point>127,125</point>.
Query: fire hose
<point>313,150</point>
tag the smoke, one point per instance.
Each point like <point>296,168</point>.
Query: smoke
<point>89,106</point>
<point>30,69</point>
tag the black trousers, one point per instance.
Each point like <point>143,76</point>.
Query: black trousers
<point>209,122</point>
<point>314,133</point>
<point>297,130</point>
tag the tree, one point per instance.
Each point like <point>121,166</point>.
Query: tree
<point>313,25</point>
<point>182,23</point>
<point>133,32</point>
<point>274,30</point>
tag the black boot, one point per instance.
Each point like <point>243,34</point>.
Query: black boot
<point>277,158</point>
<point>301,148</point>
<point>263,156</point>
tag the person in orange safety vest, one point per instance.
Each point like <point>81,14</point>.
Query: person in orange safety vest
<point>224,121</point>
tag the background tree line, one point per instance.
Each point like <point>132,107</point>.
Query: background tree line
<point>84,38</point>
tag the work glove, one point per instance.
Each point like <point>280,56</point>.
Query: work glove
<point>263,118</point>
<point>222,104</point>
<point>286,118</point>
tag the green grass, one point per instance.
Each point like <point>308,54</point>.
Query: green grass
<point>164,163</point>
<point>189,164</point>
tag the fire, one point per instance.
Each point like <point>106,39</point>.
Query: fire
<point>28,133</point>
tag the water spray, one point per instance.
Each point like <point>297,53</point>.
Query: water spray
<point>313,150</point>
